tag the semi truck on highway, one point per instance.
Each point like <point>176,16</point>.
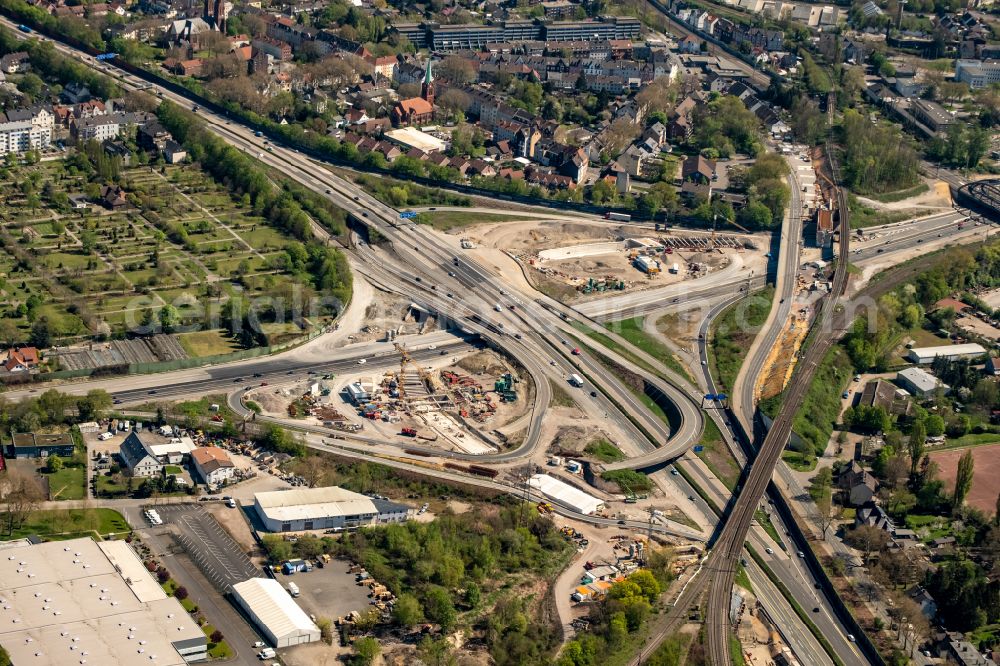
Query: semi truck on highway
<point>576,380</point>
<point>619,217</point>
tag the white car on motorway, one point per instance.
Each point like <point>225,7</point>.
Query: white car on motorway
<point>362,361</point>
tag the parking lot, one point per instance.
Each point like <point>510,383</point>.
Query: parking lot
<point>223,561</point>
<point>329,592</point>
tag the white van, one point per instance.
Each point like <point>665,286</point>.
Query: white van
<point>105,436</point>
<point>293,589</point>
<point>266,653</point>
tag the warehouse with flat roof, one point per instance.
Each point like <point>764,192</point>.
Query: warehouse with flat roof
<point>79,601</point>
<point>950,352</point>
<point>304,509</point>
<point>919,382</point>
<point>275,613</point>
<point>411,137</point>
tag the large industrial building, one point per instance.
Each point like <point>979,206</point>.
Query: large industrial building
<point>82,602</point>
<point>565,495</point>
<point>324,508</point>
<point>950,352</point>
<point>275,613</point>
<point>919,382</point>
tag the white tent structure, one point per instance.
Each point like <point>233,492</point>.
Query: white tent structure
<point>564,494</point>
<point>275,613</point>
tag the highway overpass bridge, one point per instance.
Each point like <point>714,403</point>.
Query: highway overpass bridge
<point>982,196</point>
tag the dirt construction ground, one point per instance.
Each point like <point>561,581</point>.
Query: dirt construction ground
<point>985,480</point>
<point>592,250</point>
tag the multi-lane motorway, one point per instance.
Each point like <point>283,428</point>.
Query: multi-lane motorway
<point>422,266</point>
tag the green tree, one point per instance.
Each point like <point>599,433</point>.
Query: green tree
<point>169,318</point>
<point>648,585</point>
<point>821,483</point>
<point>439,608</point>
<point>963,478</point>
<point>934,425</point>
<point>277,548</point>
<point>617,630</point>
<point>366,651</point>
<point>88,241</point>
<point>602,192</point>
<point>407,611</point>
<point>41,333</point>
<point>917,444</point>
<point>53,464</point>
<point>436,652</point>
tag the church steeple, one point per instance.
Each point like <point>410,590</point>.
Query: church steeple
<point>427,87</point>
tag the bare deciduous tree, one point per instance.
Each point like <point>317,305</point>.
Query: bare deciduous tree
<point>19,495</point>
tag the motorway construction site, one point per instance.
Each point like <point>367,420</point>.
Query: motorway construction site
<point>581,261</point>
<point>458,403</point>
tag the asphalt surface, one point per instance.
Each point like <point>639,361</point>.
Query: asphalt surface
<point>433,260</point>
<point>781,308</point>
<point>217,554</point>
<point>140,388</point>
<point>900,236</point>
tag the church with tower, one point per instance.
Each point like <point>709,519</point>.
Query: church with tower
<point>417,110</point>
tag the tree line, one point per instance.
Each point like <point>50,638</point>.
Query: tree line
<point>47,62</point>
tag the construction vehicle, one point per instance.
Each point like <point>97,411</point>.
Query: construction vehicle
<point>504,386</point>
<point>404,359</point>
<point>630,497</point>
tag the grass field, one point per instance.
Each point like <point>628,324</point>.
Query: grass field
<point>629,480</point>
<point>765,521</point>
<point>733,333</point>
<point>220,650</point>
<point>800,462</point>
<point>446,220</point>
<point>865,216</point>
<point>560,396</point>
<point>614,346</point>
<point>69,483</point>
<point>170,587</point>
<point>632,330</point>
<point>61,524</point>
<point>604,451</point>
<point>891,197</point>
<point>200,408</point>
<point>108,486</point>
<point>742,579</point>
<point>207,343</point>
<point>717,456</point>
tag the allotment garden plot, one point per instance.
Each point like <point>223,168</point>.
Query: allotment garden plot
<point>181,246</point>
